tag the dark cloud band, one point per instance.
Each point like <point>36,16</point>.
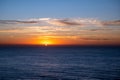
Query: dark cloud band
<point>64,22</point>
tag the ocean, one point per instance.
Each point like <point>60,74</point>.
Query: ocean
<point>59,63</point>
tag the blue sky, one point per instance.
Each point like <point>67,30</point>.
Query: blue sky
<point>26,9</point>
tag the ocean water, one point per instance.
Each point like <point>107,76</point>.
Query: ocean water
<point>59,63</point>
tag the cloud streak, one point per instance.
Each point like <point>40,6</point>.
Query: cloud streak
<point>111,23</point>
<point>64,22</point>
<point>95,38</point>
<point>16,21</point>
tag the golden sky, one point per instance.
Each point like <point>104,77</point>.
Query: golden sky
<point>60,31</point>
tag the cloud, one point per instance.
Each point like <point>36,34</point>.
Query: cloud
<point>15,21</point>
<point>95,38</point>
<point>10,31</point>
<point>64,22</point>
<point>111,23</point>
<point>101,29</point>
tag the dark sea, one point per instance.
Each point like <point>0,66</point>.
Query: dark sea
<point>59,63</point>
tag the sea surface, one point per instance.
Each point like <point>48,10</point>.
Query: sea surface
<point>59,63</point>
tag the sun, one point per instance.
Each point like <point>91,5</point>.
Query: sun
<point>46,42</point>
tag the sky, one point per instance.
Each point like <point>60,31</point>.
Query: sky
<point>60,22</point>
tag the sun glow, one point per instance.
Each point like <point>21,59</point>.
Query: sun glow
<point>46,42</point>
